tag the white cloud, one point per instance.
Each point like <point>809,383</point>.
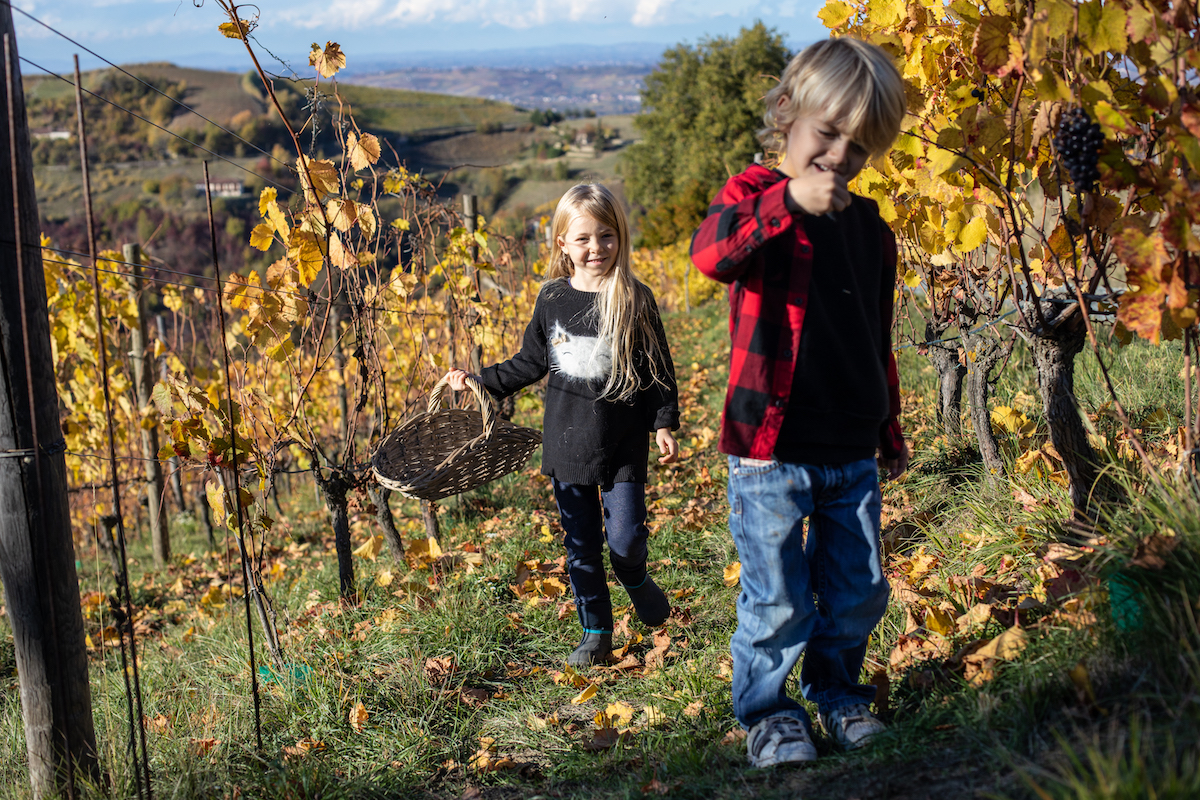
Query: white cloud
<point>519,14</point>
<point>651,12</point>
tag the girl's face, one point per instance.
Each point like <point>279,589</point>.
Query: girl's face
<point>592,247</point>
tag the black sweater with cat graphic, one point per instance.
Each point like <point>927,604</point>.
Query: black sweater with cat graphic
<point>585,439</point>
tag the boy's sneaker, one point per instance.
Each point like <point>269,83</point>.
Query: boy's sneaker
<point>649,602</point>
<point>779,740</point>
<point>593,649</point>
<point>851,726</point>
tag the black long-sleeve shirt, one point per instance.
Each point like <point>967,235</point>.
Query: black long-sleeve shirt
<point>585,439</point>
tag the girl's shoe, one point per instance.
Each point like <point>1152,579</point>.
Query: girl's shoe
<point>649,602</point>
<point>593,649</point>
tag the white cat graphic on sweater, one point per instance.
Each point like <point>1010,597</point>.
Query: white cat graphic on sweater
<point>585,358</point>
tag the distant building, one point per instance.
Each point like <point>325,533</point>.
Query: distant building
<point>46,134</point>
<point>232,188</point>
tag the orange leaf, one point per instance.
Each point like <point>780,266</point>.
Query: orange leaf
<point>358,717</point>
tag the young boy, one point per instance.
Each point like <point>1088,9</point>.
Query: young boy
<point>813,394</point>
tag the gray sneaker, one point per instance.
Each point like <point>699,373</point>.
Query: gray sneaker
<point>779,740</point>
<point>851,726</point>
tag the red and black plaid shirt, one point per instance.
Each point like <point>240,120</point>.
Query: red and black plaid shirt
<point>766,316</point>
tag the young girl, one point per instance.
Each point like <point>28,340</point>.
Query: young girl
<point>597,331</point>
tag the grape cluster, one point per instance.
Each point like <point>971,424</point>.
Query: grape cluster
<point>1078,143</point>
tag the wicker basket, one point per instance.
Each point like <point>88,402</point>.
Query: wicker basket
<point>446,451</point>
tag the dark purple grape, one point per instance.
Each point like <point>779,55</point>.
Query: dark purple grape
<point>1078,143</point>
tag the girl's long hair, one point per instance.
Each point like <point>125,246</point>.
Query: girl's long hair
<point>624,305</point>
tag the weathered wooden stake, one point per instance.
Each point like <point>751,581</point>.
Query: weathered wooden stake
<point>37,555</point>
<point>176,478</point>
<point>143,381</point>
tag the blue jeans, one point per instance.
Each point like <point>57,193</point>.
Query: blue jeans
<point>818,596</point>
<point>590,516</point>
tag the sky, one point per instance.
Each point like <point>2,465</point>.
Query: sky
<point>377,31</point>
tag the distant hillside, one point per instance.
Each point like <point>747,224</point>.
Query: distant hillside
<point>605,89</point>
<point>233,99</point>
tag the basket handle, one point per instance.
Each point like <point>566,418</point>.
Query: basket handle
<point>487,406</point>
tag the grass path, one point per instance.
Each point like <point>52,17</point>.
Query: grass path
<point>448,679</point>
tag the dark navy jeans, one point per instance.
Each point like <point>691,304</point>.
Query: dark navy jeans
<point>818,596</point>
<point>590,516</point>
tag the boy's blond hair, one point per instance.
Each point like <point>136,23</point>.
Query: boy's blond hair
<point>846,80</point>
<point>624,305</point>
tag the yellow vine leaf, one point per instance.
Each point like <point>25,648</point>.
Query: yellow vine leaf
<point>327,61</point>
<point>324,177</point>
<point>339,255</point>
<point>912,279</point>
<point>266,199</point>
<point>261,237</point>
<point>363,151</point>
<point>280,352</point>
<point>973,234</point>
<point>231,31</point>
<point>216,498</point>
<point>342,213</point>
<point>835,14</point>
<point>366,220</point>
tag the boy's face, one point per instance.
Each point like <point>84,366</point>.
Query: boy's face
<point>816,145</point>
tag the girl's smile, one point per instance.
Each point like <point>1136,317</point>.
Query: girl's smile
<point>592,246</point>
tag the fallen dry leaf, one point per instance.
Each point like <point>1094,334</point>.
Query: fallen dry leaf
<point>371,548</point>
<point>733,736</point>
<point>1007,646</point>
<point>733,574</point>
<point>200,747</point>
<point>585,695</point>
<point>603,739</point>
<point>358,717</point>
<point>438,669</point>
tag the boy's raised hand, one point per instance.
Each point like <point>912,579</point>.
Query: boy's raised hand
<point>818,190</point>
<point>457,378</point>
<point>667,446</point>
<point>895,466</point>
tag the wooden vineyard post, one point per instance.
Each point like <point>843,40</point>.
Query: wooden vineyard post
<point>143,381</point>
<point>469,220</point>
<point>37,554</point>
<point>176,479</point>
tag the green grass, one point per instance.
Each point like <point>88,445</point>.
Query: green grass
<point>443,658</point>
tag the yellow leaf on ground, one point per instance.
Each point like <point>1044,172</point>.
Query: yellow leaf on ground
<point>585,695</point>
<point>370,549</point>
<point>1006,646</point>
<point>653,716</point>
<point>733,574</point>
<point>939,621</point>
<point>384,578</point>
<point>618,714</point>
<point>358,717</point>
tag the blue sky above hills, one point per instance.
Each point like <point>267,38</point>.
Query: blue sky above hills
<point>408,32</point>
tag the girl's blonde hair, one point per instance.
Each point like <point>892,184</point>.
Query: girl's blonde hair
<point>624,305</point>
<point>849,80</point>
